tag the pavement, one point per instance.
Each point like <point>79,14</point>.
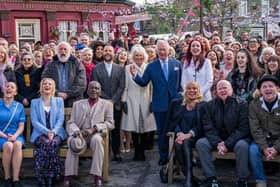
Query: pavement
<point>129,173</point>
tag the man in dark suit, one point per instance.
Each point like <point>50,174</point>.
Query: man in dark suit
<point>111,77</point>
<point>165,74</point>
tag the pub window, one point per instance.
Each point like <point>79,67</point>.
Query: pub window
<point>67,29</point>
<point>102,29</point>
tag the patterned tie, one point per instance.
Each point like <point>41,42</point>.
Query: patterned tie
<point>165,70</point>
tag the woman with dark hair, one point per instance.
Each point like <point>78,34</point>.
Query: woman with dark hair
<point>197,68</point>
<point>245,76</point>
<point>97,48</point>
<point>28,78</point>
<point>277,47</point>
<point>188,128</point>
<point>255,49</point>
<point>273,65</point>
<point>217,73</point>
<point>12,119</point>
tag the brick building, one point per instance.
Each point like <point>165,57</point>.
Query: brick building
<point>39,20</point>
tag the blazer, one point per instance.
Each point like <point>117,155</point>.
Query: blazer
<point>111,87</point>
<point>38,118</point>
<point>100,116</point>
<point>163,91</point>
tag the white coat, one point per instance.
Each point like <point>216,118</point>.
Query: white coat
<point>138,101</point>
<point>204,77</point>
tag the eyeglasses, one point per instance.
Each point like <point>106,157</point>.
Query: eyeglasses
<point>27,59</point>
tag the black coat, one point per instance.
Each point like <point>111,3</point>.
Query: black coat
<point>24,91</point>
<point>175,116</point>
<point>226,122</point>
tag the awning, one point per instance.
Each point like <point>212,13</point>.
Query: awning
<point>132,18</point>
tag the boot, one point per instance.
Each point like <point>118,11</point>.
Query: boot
<point>261,184</point>
<point>188,163</point>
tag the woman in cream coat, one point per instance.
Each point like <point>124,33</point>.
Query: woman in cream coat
<point>137,116</point>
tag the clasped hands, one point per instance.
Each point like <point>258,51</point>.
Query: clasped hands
<point>180,138</point>
<point>270,153</point>
<point>222,148</point>
<point>85,132</point>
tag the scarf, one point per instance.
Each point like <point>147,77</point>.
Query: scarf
<point>89,68</point>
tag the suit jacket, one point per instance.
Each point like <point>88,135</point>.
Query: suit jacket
<point>38,118</point>
<point>111,87</point>
<point>163,91</point>
<point>83,116</point>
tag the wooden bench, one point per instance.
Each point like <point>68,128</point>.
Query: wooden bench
<point>171,138</point>
<point>28,150</point>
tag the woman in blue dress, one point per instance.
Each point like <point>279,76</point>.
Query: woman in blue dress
<point>12,118</point>
<point>47,117</point>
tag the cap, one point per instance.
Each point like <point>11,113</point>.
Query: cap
<point>79,46</point>
<point>267,78</point>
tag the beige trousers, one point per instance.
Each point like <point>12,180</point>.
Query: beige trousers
<point>72,161</point>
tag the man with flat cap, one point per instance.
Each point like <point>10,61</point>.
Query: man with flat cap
<point>264,120</point>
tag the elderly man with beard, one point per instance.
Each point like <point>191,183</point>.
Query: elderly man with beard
<point>264,118</point>
<point>226,127</point>
<point>111,77</point>
<point>89,117</point>
<point>68,73</point>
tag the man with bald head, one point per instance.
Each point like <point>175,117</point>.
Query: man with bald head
<point>89,117</point>
<point>226,128</point>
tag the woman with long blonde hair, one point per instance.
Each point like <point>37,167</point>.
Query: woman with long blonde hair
<point>188,128</point>
<point>7,73</point>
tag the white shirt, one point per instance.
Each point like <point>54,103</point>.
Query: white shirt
<point>108,68</point>
<point>204,77</point>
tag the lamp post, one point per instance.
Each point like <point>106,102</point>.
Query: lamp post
<point>201,17</point>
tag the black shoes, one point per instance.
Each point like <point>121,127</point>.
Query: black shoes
<point>210,182</point>
<point>139,157</point>
<point>117,158</point>
<point>242,183</point>
<point>162,161</point>
<point>17,184</point>
<point>8,183</point>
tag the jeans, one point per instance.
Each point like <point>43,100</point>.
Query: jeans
<point>256,162</point>
<point>204,149</point>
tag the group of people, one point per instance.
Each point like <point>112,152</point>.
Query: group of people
<point>214,94</point>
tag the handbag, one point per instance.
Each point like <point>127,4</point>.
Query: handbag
<point>10,120</point>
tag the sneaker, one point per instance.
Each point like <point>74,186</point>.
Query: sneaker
<point>242,183</point>
<point>8,183</point>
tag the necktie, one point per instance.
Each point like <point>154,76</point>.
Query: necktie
<point>165,70</point>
